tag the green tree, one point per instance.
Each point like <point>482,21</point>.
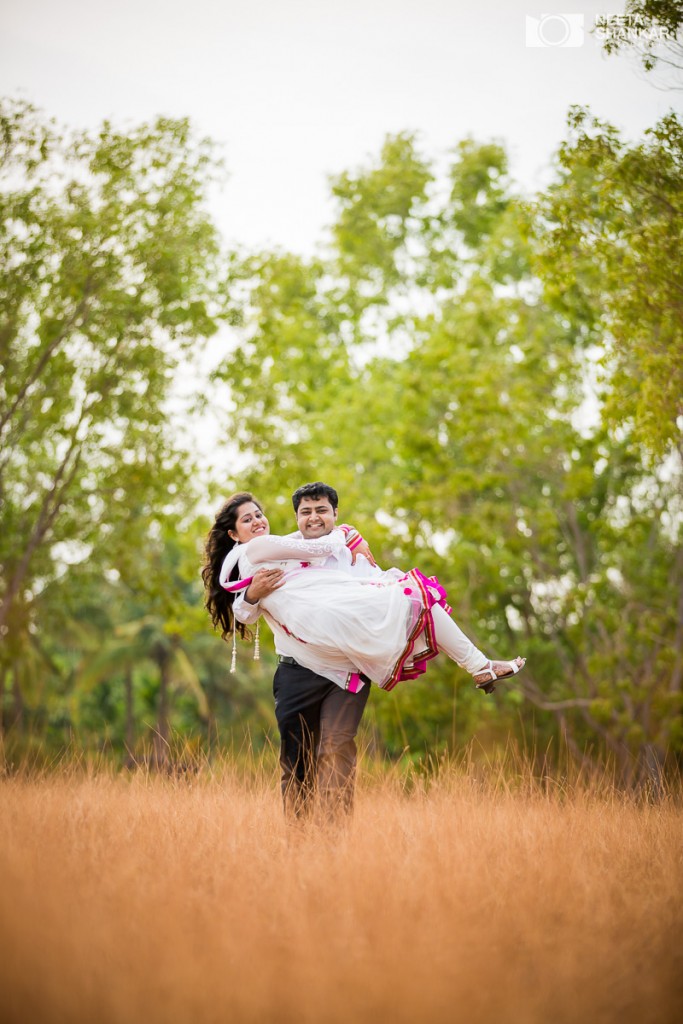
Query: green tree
<point>439,371</point>
<point>612,258</point>
<point>402,369</point>
<point>111,275</point>
<point>651,31</point>
<point>153,622</point>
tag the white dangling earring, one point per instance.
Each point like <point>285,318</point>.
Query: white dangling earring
<point>233,663</point>
<point>257,645</point>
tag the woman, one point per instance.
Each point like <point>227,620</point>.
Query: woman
<point>385,627</point>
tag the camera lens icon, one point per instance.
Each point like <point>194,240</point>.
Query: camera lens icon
<point>554,30</point>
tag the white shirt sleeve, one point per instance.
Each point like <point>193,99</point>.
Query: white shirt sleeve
<point>244,611</point>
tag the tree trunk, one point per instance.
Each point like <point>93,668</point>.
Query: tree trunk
<point>161,745</point>
<point>3,677</point>
<point>49,509</point>
<point>212,720</point>
<point>130,718</point>
<point>17,701</point>
<point>651,777</point>
<point>3,673</point>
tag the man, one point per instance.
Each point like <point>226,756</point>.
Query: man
<point>317,719</point>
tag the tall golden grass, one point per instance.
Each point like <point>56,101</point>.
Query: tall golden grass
<point>140,898</point>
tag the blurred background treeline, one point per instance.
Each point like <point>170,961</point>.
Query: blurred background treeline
<point>493,382</point>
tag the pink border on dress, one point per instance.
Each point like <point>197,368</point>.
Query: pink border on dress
<point>430,593</point>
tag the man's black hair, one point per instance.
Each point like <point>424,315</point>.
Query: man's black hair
<point>317,490</point>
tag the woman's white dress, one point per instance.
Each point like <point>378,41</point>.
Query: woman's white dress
<point>337,625</point>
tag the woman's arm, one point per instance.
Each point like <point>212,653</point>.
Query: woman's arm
<point>357,544</point>
<point>276,549</point>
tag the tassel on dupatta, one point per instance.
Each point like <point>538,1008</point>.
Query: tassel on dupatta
<point>257,648</point>
<point>233,662</point>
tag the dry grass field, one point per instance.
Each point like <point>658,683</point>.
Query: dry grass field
<point>126,899</point>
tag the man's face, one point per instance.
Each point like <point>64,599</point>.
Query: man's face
<point>315,517</point>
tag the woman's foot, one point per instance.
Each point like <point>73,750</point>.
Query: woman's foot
<point>496,670</point>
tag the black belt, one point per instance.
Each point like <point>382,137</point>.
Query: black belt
<point>284,659</point>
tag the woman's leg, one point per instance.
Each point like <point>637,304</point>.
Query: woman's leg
<point>453,642</point>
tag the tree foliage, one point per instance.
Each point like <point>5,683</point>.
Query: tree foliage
<point>612,254</point>
<point>492,383</point>
<point>110,276</point>
<point>439,372</point>
<point>651,30</point>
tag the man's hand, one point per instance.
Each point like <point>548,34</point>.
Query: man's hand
<point>362,549</point>
<point>265,581</point>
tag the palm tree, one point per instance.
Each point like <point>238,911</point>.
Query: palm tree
<point>147,640</point>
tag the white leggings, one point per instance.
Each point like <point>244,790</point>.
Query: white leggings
<point>453,642</point>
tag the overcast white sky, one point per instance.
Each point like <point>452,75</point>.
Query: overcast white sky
<point>299,89</point>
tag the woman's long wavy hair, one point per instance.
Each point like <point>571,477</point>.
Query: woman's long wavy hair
<point>218,602</point>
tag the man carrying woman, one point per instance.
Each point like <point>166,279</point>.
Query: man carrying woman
<point>336,624</point>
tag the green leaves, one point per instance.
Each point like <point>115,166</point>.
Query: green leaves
<point>109,274</point>
<point>611,251</point>
<point>379,210</point>
<point>438,367</point>
<point>651,29</point>
<point>492,383</point>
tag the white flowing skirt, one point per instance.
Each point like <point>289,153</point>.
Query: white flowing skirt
<point>381,628</point>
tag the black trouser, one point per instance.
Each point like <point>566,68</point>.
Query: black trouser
<point>318,722</point>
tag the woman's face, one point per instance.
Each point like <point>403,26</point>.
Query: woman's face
<point>250,523</point>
